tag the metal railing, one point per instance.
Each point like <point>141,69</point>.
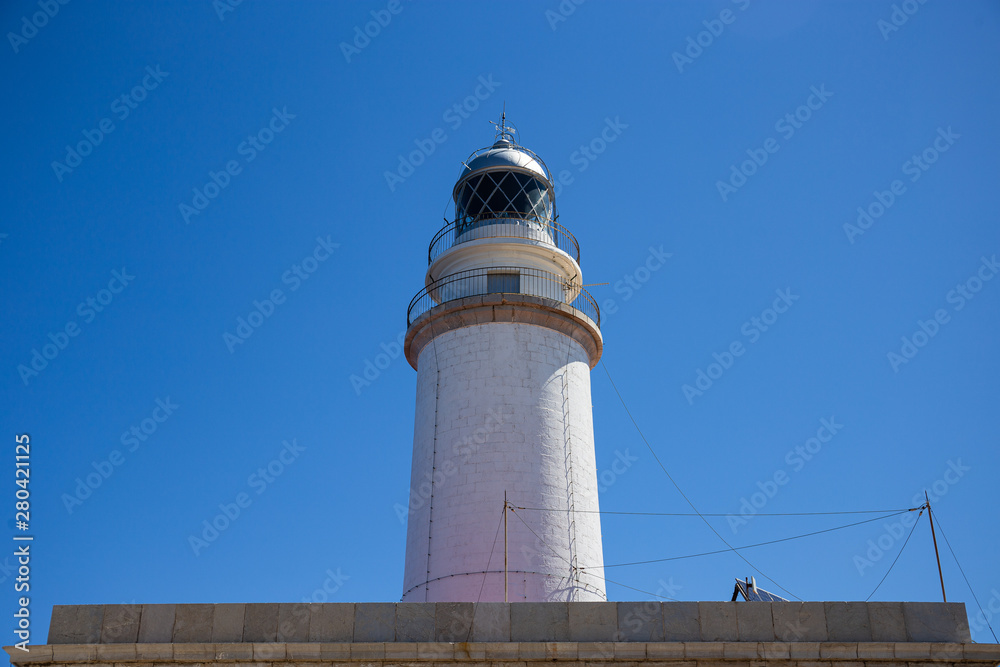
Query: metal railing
<point>511,280</point>
<point>544,231</point>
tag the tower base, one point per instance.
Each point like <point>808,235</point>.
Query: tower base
<point>503,411</point>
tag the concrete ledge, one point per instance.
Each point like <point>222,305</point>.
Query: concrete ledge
<point>915,624</point>
<point>521,308</point>
<point>733,654</point>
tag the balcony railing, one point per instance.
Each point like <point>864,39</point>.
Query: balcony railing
<point>503,280</point>
<point>548,232</point>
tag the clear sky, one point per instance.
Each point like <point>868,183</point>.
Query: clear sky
<point>823,177</point>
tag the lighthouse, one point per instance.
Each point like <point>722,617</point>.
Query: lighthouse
<point>503,497</point>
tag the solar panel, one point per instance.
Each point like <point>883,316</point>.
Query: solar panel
<point>752,593</point>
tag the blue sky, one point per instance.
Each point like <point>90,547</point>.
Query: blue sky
<point>208,159</point>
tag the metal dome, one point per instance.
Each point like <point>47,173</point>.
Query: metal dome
<point>504,181</point>
<point>504,153</point>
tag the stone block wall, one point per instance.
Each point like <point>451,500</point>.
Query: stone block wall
<point>406,622</point>
<point>576,634</point>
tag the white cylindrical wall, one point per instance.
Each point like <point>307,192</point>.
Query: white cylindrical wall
<point>502,407</point>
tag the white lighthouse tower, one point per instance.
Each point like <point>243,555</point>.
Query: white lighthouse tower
<point>503,337</point>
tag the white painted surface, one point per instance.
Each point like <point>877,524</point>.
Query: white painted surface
<point>500,251</point>
<point>503,407</point>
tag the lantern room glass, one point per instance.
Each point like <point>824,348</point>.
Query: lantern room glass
<point>506,195</point>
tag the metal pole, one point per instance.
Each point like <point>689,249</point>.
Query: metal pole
<point>505,545</point>
<point>930,515</point>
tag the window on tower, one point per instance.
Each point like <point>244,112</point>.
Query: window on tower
<point>504,195</point>
<point>508,282</point>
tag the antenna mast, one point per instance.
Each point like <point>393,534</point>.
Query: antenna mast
<point>504,132</point>
<point>930,515</point>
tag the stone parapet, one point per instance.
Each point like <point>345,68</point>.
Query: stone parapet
<point>520,654</point>
<point>575,634</point>
<point>513,622</point>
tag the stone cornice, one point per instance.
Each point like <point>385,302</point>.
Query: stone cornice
<point>815,654</point>
<point>520,308</point>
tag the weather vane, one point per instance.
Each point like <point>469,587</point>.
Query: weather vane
<point>504,132</point>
